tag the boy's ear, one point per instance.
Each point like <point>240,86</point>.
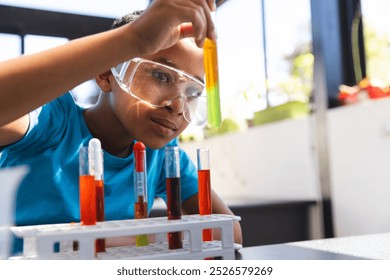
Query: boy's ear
<point>103,81</point>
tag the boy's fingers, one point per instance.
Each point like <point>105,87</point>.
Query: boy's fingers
<point>211,32</point>
<point>202,22</point>
<point>186,30</point>
<point>200,43</point>
<point>212,5</point>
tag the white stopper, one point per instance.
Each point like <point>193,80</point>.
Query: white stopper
<point>95,158</point>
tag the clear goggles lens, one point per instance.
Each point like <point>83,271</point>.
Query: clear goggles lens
<point>163,86</point>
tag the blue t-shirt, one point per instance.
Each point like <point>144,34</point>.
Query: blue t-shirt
<point>50,192</point>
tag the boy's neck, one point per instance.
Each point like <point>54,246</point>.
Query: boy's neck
<point>103,125</point>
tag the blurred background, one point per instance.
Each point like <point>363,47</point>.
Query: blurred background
<point>304,95</point>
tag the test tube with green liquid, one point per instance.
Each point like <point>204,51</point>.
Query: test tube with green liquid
<point>212,80</point>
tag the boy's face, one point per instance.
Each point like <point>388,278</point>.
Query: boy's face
<point>156,126</point>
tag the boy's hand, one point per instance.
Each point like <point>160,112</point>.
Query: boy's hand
<point>165,22</point>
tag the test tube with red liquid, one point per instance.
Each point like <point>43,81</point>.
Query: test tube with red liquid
<point>204,188</point>
<point>172,172</point>
<point>95,157</point>
<point>140,189</point>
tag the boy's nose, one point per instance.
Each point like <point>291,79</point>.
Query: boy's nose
<point>175,105</point>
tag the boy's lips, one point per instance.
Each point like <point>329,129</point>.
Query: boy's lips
<point>164,126</point>
<point>166,123</point>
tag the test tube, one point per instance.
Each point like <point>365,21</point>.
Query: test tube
<point>210,58</point>
<point>95,157</point>
<point>172,172</point>
<point>87,190</point>
<point>204,188</point>
<point>140,189</point>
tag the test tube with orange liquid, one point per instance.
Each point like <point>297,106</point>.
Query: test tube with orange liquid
<point>140,189</point>
<point>210,59</point>
<point>92,187</point>
<point>87,190</point>
<point>96,169</point>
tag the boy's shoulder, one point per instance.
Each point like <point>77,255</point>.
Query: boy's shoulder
<point>65,100</point>
<point>54,122</point>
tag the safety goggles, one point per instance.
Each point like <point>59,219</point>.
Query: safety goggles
<point>163,86</point>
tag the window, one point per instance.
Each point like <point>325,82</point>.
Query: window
<point>35,43</point>
<point>376,32</point>
<point>10,46</point>
<point>86,93</point>
<point>265,60</point>
<point>289,61</point>
<point>241,70</point>
<point>115,8</point>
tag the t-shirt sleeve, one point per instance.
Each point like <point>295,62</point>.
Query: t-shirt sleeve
<point>46,126</point>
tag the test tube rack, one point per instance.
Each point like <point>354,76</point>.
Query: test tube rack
<point>40,241</point>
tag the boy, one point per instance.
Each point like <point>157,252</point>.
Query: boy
<point>44,128</point>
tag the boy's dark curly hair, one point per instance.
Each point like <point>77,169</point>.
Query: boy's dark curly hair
<point>130,17</point>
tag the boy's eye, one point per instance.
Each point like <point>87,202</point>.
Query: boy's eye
<point>193,92</point>
<point>161,76</point>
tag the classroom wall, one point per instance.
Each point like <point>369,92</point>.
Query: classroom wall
<point>273,161</point>
<point>276,161</point>
<point>359,137</point>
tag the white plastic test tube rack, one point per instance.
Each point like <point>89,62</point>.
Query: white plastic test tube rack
<point>39,241</point>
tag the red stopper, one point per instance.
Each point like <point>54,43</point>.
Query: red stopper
<point>139,155</point>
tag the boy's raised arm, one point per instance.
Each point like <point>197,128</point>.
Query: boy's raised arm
<point>30,81</point>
